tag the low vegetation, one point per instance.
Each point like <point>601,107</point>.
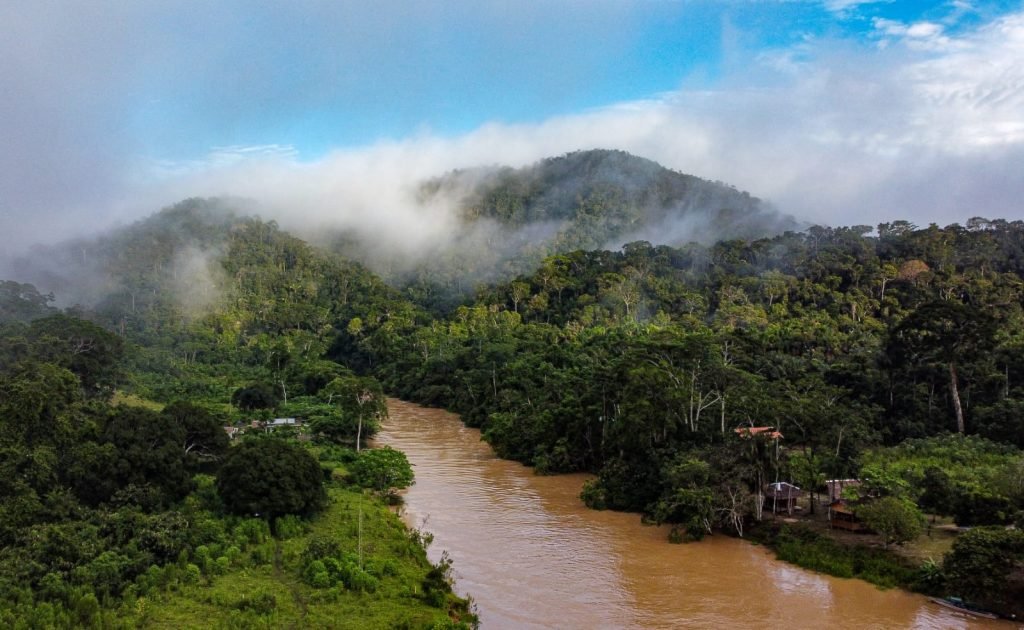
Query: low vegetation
<point>119,511</point>
<point>890,354</point>
<point>814,550</point>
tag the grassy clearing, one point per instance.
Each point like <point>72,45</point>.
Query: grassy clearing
<point>933,545</point>
<point>264,586</point>
<point>133,400</point>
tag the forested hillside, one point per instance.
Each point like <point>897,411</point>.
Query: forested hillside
<point>144,484</point>
<point>870,351</point>
<point>639,365</point>
<point>506,221</point>
<point>885,333</point>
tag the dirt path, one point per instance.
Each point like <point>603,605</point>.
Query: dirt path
<point>281,576</point>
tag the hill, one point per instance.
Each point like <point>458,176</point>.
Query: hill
<point>636,365</point>
<point>507,220</point>
<point>606,198</point>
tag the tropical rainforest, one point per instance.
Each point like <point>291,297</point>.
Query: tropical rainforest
<point>890,353</point>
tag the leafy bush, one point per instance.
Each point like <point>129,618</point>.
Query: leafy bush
<point>986,566</point>
<point>811,550</point>
<point>382,469</point>
<point>289,526</point>
<point>338,454</point>
<point>593,495</point>
<point>271,478</point>
<point>256,396</point>
<point>260,603</point>
<point>192,574</point>
<point>896,520</point>
<point>251,531</point>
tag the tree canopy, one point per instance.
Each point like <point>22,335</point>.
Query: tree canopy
<point>382,469</point>
<point>271,478</point>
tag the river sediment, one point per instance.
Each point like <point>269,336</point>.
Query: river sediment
<point>531,555</point>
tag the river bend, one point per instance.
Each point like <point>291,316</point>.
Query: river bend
<point>533,556</point>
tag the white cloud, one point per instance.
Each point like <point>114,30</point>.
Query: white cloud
<point>930,129</point>
<point>924,30</point>
<point>934,135</point>
<point>845,8</point>
<point>917,35</point>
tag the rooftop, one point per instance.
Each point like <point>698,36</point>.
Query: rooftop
<point>769,432</point>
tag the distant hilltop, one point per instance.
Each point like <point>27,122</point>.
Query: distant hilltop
<point>502,222</point>
<point>606,198</point>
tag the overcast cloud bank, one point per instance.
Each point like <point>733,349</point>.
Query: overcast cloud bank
<point>923,125</point>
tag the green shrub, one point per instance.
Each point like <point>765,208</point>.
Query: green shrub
<point>201,554</point>
<point>251,531</point>
<point>313,568</point>
<point>192,574</point>
<point>319,548</point>
<point>321,580</point>
<point>382,469</point>
<point>339,454</point>
<point>811,550</point>
<point>87,610</point>
<point>289,526</point>
<point>261,555</point>
<point>593,495</point>
<point>260,603</point>
<point>360,580</point>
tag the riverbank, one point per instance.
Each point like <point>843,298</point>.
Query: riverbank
<point>533,556</point>
<point>799,544</point>
<point>807,540</point>
<point>266,585</point>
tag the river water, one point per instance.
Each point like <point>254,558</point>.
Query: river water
<point>531,555</point>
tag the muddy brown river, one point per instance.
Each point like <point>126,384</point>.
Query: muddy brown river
<point>531,555</point>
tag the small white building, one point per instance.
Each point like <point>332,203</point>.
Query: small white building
<point>278,423</point>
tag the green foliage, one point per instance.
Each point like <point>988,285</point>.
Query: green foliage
<point>335,428</point>
<point>617,362</point>
<point>271,478</point>
<point>582,200</point>
<point>338,454</point>
<point>261,603</point>
<point>943,333</point>
<point>636,365</point>
<point>970,478</point>
<point>141,454</point>
<point>896,520</point>
<point>382,469</point>
<point>592,495</point>
<point>688,499</point>
<point>360,405</point>
<point>22,302</point>
<point>985,566</point>
<point>90,352</point>
<point>811,550</point>
<point>382,590</point>
<point>205,442</point>
<point>256,396</point>
<point>251,531</point>
<point>289,526</point>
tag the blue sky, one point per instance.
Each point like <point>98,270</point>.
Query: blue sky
<point>836,110</point>
<point>341,76</point>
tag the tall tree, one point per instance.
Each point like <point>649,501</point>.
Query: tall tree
<point>945,334</point>
<point>271,477</point>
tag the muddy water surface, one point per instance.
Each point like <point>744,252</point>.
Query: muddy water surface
<point>533,556</point>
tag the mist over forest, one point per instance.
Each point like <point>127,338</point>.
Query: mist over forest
<point>487,225</point>
<point>755,269</point>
